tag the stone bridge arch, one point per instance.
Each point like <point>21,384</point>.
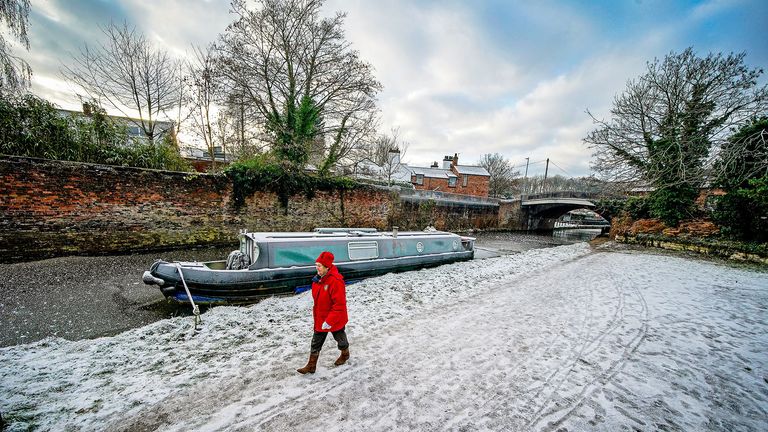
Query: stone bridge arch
<point>542,217</point>
<point>539,212</point>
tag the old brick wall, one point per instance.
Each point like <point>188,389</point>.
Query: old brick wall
<point>56,208</point>
<point>430,183</point>
<point>511,216</point>
<point>476,185</point>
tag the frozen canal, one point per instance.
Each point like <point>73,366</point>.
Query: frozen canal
<point>565,338</point>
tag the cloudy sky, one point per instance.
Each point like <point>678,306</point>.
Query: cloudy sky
<point>460,76</point>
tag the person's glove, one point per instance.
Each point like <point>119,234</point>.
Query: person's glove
<point>326,326</point>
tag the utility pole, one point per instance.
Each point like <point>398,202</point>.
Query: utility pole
<point>525,179</point>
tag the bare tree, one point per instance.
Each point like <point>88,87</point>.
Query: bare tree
<point>201,95</point>
<point>16,73</point>
<point>135,78</point>
<point>502,174</point>
<point>387,152</point>
<point>668,125</point>
<point>246,134</point>
<point>302,78</point>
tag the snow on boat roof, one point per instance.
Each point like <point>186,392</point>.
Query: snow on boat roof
<point>351,233</point>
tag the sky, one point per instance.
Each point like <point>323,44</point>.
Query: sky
<point>563,338</point>
<point>470,77</point>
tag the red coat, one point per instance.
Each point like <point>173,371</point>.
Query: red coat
<point>330,301</point>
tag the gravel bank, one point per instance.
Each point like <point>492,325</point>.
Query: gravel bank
<point>84,297</point>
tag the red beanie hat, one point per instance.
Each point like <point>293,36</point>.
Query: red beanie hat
<point>326,259</point>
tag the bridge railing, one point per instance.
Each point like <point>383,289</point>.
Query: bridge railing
<point>561,194</point>
<point>423,195</point>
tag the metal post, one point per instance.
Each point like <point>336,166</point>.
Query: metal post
<point>525,179</point>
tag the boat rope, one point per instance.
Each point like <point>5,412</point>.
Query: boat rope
<point>195,309</point>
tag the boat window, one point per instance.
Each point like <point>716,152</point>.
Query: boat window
<point>363,250</point>
<point>255,253</point>
<point>250,248</point>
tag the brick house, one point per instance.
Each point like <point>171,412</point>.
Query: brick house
<point>452,178</point>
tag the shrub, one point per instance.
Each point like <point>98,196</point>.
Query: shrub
<point>265,173</point>
<point>743,213</point>
<point>638,207</point>
<point>33,127</point>
<point>672,204</point>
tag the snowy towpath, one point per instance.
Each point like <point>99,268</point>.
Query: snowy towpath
<point>551,339</point>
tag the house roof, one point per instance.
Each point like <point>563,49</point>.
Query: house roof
<point>432,172</point>
<point>472,170</point>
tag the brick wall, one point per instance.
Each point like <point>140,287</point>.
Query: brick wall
<point>55,208</point>
<point>430,183</point>
<point>476,185</point>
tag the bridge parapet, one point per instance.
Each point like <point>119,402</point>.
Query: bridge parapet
<point>561,194</point>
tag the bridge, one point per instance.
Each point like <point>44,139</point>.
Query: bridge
<point>538,212</point>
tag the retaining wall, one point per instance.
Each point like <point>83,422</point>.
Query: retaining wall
<point>54,208</point>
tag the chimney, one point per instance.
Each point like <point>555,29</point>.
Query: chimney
<point>455,159</point>
<point>434,164</point>
<point>447,162</point>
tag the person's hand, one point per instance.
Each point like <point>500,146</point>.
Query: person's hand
<point>326,326</point>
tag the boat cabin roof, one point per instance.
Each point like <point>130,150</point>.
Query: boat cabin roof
<point>333,233</point>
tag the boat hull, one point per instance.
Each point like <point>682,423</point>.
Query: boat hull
<point>210,286</point>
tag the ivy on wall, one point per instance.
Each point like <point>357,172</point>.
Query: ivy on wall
<point>265,174</point>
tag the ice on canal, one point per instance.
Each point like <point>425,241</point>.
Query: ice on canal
<point>564,338</point>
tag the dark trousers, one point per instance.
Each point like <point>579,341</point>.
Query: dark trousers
<point>318,339</point>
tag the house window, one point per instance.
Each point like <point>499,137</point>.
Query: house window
<point>464,180</point>
<point>419,179</point>
<point>451,181</point>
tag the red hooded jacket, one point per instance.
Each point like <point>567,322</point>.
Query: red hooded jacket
<point>329,294</point>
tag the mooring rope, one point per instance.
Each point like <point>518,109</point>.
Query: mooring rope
<point>195,309</point>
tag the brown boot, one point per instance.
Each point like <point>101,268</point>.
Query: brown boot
<point>342,358</point>
<point>311,364</point>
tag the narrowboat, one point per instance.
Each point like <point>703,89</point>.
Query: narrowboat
<point>276,263</point>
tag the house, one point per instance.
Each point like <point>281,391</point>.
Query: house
<point>201,160</point>
<point>393,170</point>
<point>134,131</point>
<point>453,178</point>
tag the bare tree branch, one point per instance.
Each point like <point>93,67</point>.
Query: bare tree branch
<point>283,56</point>
<point>15,74</point>
<point>129,74</point>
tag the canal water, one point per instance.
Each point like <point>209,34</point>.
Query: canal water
<point>492,244</point>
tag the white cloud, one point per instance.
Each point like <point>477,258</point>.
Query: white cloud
<point>459,77</point>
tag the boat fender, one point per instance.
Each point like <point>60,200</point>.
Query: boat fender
<point>237,260</point>
<point>149,279</point>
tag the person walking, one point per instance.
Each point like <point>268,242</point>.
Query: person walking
<point>329,311</point>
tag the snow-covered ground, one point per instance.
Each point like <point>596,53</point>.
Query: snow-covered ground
<point>548,339</point>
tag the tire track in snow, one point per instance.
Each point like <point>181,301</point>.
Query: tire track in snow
<point>552,413</point>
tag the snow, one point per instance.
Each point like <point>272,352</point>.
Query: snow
<point>564,338</point>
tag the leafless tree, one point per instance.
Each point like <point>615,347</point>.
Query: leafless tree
<point>667,126</point>
<point>246,135</point>
<point>131,75</point>
<point>387,152</point>
<point>200,83</point>
<point>301,76</point>
<point>502,173</point>
<point>16,73</point>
